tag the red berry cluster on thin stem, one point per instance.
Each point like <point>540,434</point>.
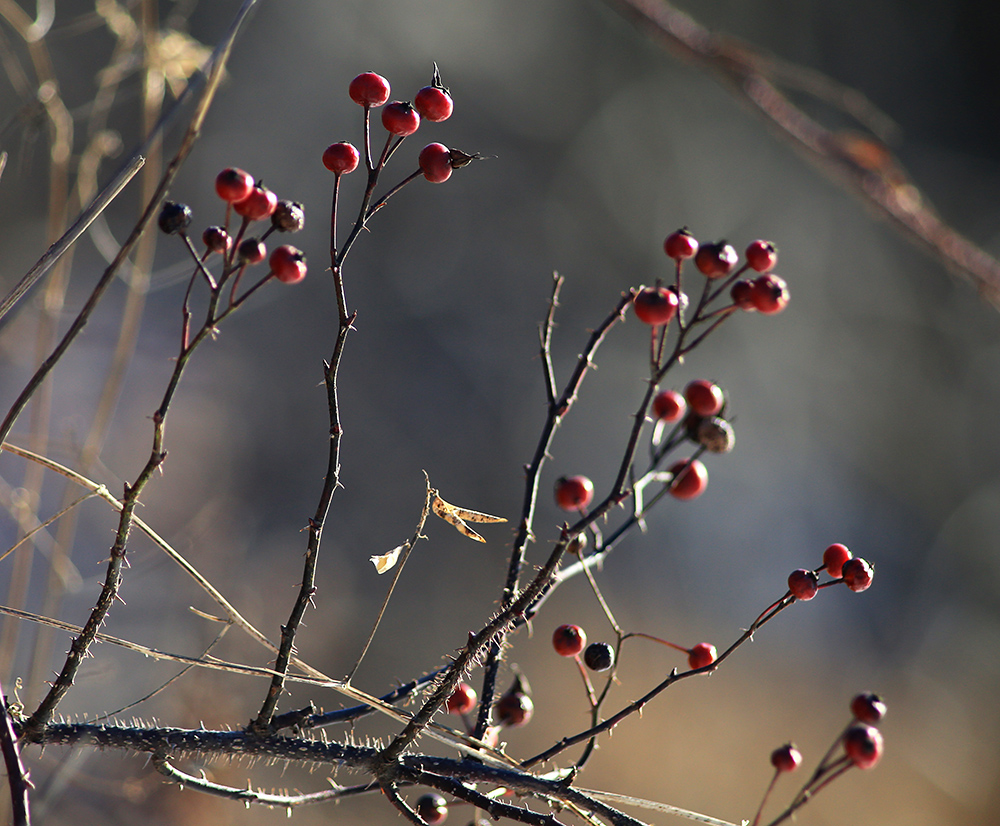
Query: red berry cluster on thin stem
<point>859,745</point>
<point>253,203</point>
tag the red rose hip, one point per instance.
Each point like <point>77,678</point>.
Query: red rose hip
<point>863,745</point>
<point>433,103</point>
<point>680,245</point>
<point>761,255</point>
<point>462,700</point>
<point>705,397</point>
<point>868,708</point>
<point>715,260</point>
<point>369,89</point>
<point>690,479</point>
<point>769,293</point>
<point>669,406</point>
<point>288,264</point>
<point>435,162</point>
<point>258,205</point>
<point>803,584</point>
<point>573,493</point>
<point>701,655</point>
<point>400,118</point>
<point>857,574</point>
<point>514,709</point>
<point>834,558</point>
<point>341,158</point>
<point>787,758</point>
<point>233,184</point>
<point>569,640</point>
<point>655,306</point>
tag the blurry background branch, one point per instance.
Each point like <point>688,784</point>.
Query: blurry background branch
<point>861,162</point>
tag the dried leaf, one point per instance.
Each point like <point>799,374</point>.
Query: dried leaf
<point>457,517</point>
<point>387,561</point>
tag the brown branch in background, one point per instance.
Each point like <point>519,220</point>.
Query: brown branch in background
<point>863,165</point>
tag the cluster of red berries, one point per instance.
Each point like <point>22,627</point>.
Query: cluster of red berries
<point>252,201</point>
<point>856,573</point>
<point>400,119</point>
<point>862,746</point>
<point>766,292</point>
<point>700,408</point>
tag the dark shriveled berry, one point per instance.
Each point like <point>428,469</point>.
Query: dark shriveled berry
<point>174,218</point>
<point>715,434</point>
<point>288,216</point>
<point>251,251</point>
<point>599,656</point>
<point>432,808</point>
<point>216,239</point>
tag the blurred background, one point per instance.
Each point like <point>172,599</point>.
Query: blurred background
<point>865,414</point>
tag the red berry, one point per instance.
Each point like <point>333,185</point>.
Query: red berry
<point>803,584</point>
<point>834,558</point>
<point>432,808</point>
<point>769,294</point>
<point>655,305</point>
<point>599,656</point>
<point>761,255</point>
<point>690,479</point>
<point>669,406</point>
<point>701,655</point>
<point>705,397</point>
<point>233,184</point>
<point>574,493</point>
<point>435,162</point>
<point>863,744</point>
<point>868,708</point>
<point>288,264</point>
<point>400,118</point>
<point>742,294</point>
<point>787,758</point>
<point>462,700</point>
<point>369,89</point>
<point>251,251</point>
<point>680,245</point>
<point>259,204</point>
<point>433,103</point>
<point>569,640</point>
<point>341,158</point>
<point>514,709</point>
<point>216,239</point>
<point>857,574</point>
<point>715,260</point>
